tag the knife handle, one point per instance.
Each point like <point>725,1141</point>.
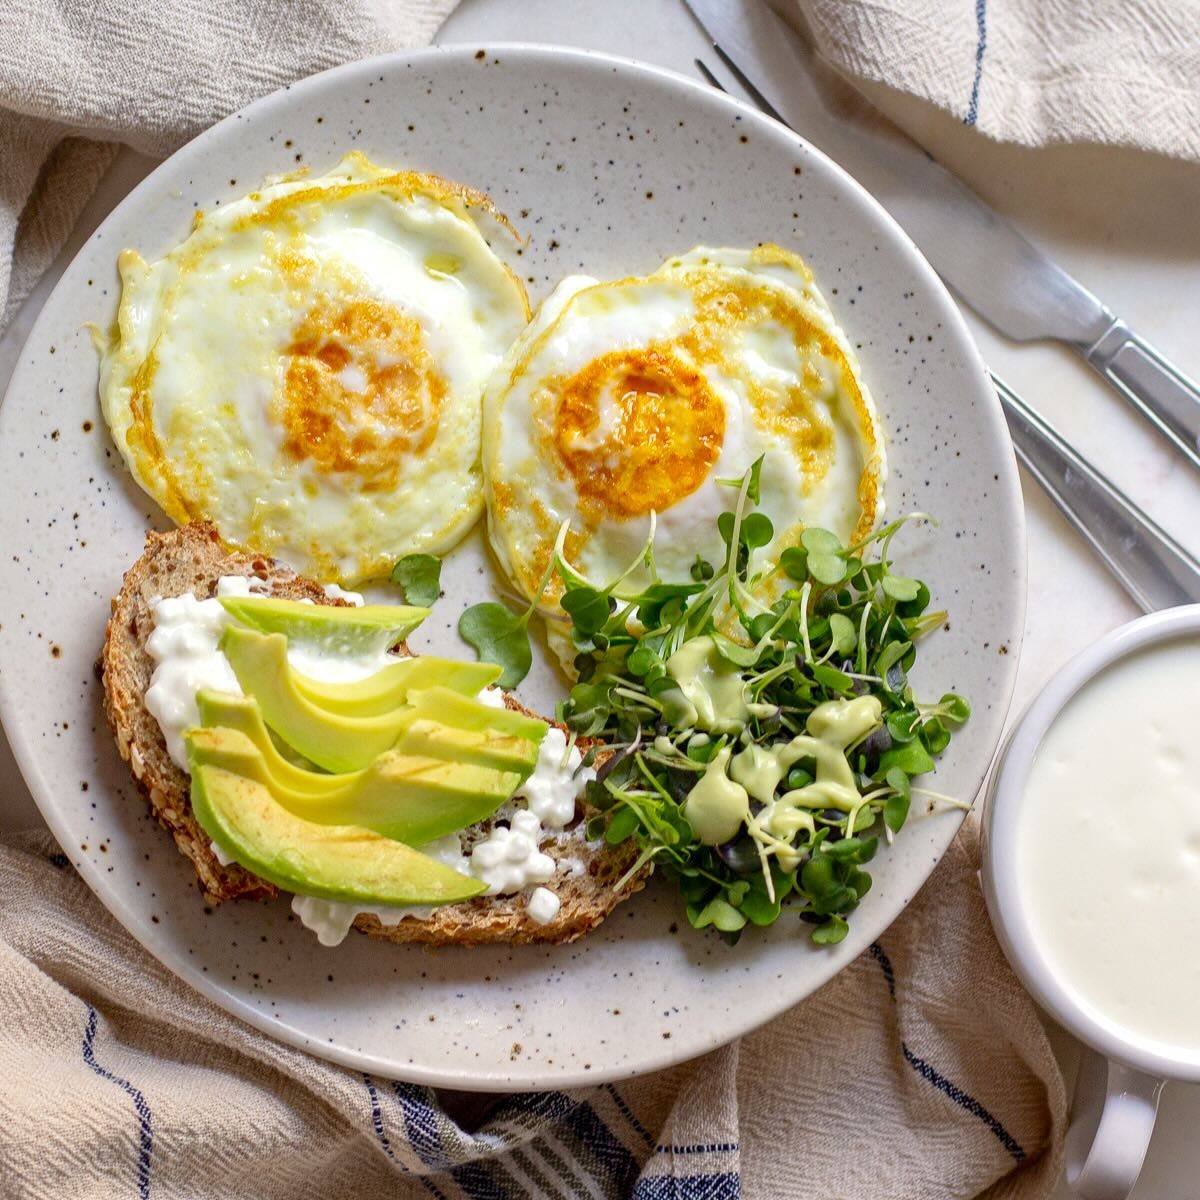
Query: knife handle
<point>1152,384</point>
<point>1150,565</point>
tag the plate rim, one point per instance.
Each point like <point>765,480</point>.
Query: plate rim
<point>27,756</point>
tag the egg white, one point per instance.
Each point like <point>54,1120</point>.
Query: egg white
<point>736,355</point>
<point>305,369</point>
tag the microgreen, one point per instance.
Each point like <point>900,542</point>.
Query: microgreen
<point>501,636</point>
<point>419,578</point>
<point>825,622</point>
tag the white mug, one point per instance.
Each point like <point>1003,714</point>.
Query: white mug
<point>1116,1096</point>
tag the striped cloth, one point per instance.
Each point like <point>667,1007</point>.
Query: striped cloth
<point>1037,72</point>
<point>921,1070</point>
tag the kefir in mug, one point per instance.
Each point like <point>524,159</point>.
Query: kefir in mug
<point>1091,871</point>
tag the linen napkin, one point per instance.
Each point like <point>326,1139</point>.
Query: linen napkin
<point>1038,72</point>
<point>921,1070</point>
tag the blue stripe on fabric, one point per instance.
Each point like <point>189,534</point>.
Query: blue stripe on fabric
<point>620,1167</point>
<point>628,1114</point>
<point>377,1119</point>
<point>885,965</point>
<point>145,1125</point>
<point>711,1148</point>
<point>963,1100</point>
<point>381,1134</point>
<point>930,1073</point>
<point>421,1124</point>
<point>980,50</point>
<point>726,1186</point>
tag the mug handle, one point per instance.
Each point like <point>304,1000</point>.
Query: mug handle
<point>1112,1118</point>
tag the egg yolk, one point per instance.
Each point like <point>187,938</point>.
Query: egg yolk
<point>360,390</point>
<point>636,430</point>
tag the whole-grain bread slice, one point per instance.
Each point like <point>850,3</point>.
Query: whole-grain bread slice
<point>193,559</point>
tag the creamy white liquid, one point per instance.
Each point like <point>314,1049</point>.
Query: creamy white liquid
<point>1108,845</point>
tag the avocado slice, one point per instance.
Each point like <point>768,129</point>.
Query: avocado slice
<point>336,742</point>
<point>485,747</point>
<point>363,630</point>
<point>388,688</point>
<point>334,862</point>
<point>410,798</point>
<point>241,713</point>
<point>465,712</point>
<point>416,798</point>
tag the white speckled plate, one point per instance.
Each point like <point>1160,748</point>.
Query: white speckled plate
<point>608,166</point>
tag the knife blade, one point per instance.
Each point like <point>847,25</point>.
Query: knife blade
<point>990,264</point>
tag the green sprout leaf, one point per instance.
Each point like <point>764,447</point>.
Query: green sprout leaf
<point>758,907</point>
<point>831,932</point>
<point>642,660</point>
<point>622,825</point>
<point>903,724</point>
<point>418,577</point>
<point>954,709</point>
<point>842,634</point>
<point>900,588</point>
<point>721,915</point>
<point>832,678</point>
<point>734,652</point>
<point>498,636</point>
<point>588,608</point>
<point>829,569</point>
<point>891,654</point>
<point>895,811</point>
<point>752,492</point>
<point>912,758</point>
<point>757,530</point>
<point>821,541</point>
<point>935,735</point>
<point>794,561</point>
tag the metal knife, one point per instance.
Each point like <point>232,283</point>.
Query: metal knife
<point>1005,278</point>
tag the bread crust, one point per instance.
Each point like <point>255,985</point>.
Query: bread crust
<point>192,559</point>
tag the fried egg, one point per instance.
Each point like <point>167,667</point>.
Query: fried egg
<point>638,396</point>
<point>305,370</point>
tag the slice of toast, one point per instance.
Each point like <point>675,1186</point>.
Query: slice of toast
<point>193,559</point>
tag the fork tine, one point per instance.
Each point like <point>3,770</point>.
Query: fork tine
<point>709,77</point>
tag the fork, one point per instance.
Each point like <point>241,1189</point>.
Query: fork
<point>1150,565</point>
